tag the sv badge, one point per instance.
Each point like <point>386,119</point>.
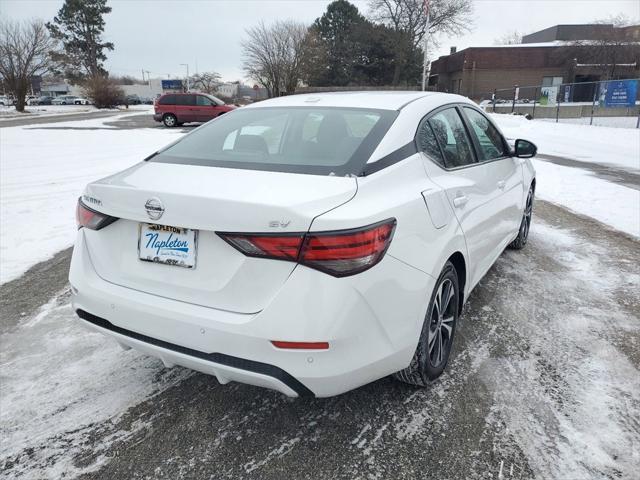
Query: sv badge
<point>279,223</point>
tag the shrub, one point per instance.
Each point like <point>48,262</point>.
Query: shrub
<point>104,92</point>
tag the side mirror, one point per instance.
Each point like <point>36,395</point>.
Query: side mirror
<point>525,149</point>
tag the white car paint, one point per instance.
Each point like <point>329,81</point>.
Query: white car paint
<point>221,317</point>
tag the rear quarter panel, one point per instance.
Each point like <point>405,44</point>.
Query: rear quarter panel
<point>396,192</point>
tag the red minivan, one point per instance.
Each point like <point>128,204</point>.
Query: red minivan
<point>174,109</point>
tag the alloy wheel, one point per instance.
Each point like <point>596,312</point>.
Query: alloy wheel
<point>441,323</point>
<point>526,219</point>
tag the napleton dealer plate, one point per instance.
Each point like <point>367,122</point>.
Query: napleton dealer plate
<point>168,245</point>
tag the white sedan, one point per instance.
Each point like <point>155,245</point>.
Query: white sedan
<point>64,100</point>
<point>309,244</point>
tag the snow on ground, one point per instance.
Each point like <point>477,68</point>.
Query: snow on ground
<point>10,113</point>
<point>579,190</point>
<point>613,122</point>
<point>604,145</point>
<point>60,383</point>
<point>43,170</point>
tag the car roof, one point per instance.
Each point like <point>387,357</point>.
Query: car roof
<point>377,99</point>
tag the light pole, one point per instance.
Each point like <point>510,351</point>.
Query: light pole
<point>186,65</point>
<point>425,58</point>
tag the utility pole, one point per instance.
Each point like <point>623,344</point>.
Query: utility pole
<point>425,61</point>
<point>186,65</point>
<point>143,74</point>
<point>148,77</point>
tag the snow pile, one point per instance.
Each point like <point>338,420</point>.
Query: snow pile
<point>604,145</point>
<point>43,170</point>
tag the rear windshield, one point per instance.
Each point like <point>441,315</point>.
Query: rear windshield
<point>314,140</point>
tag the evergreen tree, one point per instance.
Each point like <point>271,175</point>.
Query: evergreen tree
<point>347,49</point>
<point>337,34</point>
<point>79,25</point>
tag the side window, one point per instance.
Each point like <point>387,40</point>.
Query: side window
<point>489,139</point>
<point>428,144</point>
<point>185,100</point>
<point>452,137</point>
<point>203,101</point>
<point>168,100</point>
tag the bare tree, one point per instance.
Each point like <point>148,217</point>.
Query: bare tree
<point>206,81</point>
<point>274,55</point>
<point>513,37</point>
<point>25,49</point>
<point>408,19</point>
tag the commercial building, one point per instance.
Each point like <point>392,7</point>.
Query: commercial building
<point>559,54</point>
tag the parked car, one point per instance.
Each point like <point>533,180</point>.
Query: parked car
<point>31,100</point>
<point>175,109</point>
<point>6,101</point>
<point>310,243</point>
<point>64,100</point>
<point>43,101</point>
<point>81,101</point>
<point>133,100</point>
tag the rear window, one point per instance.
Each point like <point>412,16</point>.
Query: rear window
<point>167,100</point>
<point>312,140</point>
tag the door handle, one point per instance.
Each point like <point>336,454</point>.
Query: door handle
<point>460,201</point>
<point>501,184</point>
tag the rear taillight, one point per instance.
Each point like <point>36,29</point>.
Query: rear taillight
<point>89,218</point>
<point>339,253</point>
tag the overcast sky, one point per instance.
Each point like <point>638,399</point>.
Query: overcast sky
<point>159,35</point>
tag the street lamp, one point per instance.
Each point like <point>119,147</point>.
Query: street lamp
<point>186,65</point>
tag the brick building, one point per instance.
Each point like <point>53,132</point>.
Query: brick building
<point>559,54</point>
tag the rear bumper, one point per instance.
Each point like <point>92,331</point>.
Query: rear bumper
<point>224,367</point>
<point>157,117</point>
<point>371,321</point>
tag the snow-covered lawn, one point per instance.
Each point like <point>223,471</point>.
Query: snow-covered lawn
<point>10,113</point>
<point>613,122</point>
<point>43,170</point>
<point>605,145</point>
<point>577,189</point>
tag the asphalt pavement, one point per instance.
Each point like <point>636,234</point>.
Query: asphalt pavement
<point>515,401</point>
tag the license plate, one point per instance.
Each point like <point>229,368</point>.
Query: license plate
<point>168,245</point>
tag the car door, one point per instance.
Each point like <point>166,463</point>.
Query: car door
<point>205,108</point>
<point>186,108</point>
<point>472,192</point>
<point>494,153</point>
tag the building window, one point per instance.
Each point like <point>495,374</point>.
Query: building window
<point>551,81</point>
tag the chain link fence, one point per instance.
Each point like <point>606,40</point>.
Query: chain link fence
<point>608,103</point>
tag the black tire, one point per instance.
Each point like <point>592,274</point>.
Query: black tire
<point>428,364</point>
<point>525,225</point>
<point>169,120</point>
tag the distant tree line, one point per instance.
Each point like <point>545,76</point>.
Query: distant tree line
<point>343,47</point>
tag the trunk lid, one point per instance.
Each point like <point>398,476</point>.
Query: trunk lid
<point>206,199</point>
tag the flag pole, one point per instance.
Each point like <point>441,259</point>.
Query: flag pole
<point>425,61</point>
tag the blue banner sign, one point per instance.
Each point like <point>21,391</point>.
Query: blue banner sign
<point>618,93</point>
<point>171,84</point>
